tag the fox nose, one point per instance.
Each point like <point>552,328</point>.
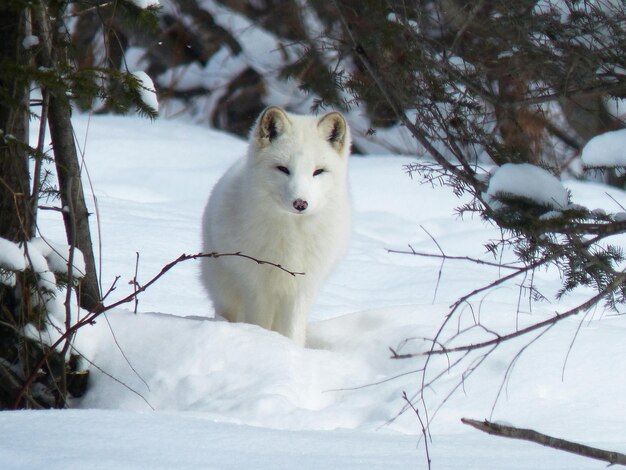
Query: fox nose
<point>300,205</point>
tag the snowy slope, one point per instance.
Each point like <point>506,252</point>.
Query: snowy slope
<point>236,396</point>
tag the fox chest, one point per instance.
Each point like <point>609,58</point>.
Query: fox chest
<point>302,245</point>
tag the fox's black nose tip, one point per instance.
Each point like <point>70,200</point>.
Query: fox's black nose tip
<point>300,205</point>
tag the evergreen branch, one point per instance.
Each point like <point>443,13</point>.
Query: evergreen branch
<point>395,105</point>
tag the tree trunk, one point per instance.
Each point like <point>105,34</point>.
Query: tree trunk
<point>75,214</point>
<point>17,352</point>
<point>14,192</point>
<point>15,219</point>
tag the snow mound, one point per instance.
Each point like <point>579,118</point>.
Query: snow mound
<point>246,375</point>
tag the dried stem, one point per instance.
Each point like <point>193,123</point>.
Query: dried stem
<point>425,432</point>
<point>444,257</point>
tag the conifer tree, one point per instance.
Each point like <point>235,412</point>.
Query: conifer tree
<point>39,83</point>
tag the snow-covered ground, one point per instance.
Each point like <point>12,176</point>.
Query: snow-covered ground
<point>173,388</point>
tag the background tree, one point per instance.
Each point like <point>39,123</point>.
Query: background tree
<point>542,73</point>
<point>15,214</point>
<point>14,187</point>
<point>472,82</point>
<point>37,68</point>
<point>483,79</point>
<point>502,84</point>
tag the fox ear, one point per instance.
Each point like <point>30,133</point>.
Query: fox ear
<point>272,123</point>
<point>334,129</point>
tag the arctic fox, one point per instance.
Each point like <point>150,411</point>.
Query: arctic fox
<point>286,202</point>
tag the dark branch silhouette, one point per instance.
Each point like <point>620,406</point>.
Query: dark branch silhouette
<point>613,458</point>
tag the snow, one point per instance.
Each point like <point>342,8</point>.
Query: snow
<point>35,259</point>
<point>57,257</point>
<point>30,41</point>
<point>261,51</point>
<point>11,256</point>
<point>143,4</point>
<point>147,90</point>
<point>606,150</point>
<point>171,387</point>
<point>266,54</point>
<point>528,182</point>
<point>11,259</point>
<point>42,256</point>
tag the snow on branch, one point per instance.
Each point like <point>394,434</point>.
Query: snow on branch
<point>39,255</point>
<point>606,150</point>
<point>147,91</point>
<point>527,182</point>
<point>145,4</point>
<point>11,256</point>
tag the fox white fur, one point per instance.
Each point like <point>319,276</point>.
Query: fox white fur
<point>287,203</point>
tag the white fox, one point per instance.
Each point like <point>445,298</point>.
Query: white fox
<point>287,203</point>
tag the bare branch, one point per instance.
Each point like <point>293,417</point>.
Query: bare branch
<point>516,334</point>
<point>135,282</point>
<point>613,458</point>
<point>43,123</point>
<point>100,309</point>
<point>455,258</point>
<point>425,432</point>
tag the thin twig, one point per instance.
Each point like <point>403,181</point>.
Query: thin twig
<point>115,379</point>
<point>454,258</point>
<point>78,13</point>
<point>121,350</point>
<point>443,261</point>
<point>425,432</point>
<point>71,234</point>
<point>135,282</point>
<point>43,122</point>
<point>511,366</point>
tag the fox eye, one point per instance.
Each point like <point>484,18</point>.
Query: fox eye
<point>283,169</point>
<point>319,171</point>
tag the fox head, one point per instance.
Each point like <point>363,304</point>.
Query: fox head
<point>300,161</point>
